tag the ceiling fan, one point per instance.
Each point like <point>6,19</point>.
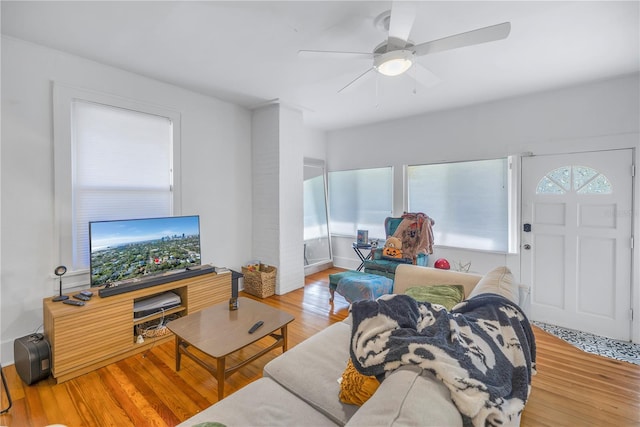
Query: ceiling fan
<point>398,54</point>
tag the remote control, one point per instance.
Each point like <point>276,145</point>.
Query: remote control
<point>87,293</point>
<point>82,297</point>
<point>256,326</point>
<point>73,302</point>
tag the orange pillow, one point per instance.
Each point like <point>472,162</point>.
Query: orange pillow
<point>356,388</point>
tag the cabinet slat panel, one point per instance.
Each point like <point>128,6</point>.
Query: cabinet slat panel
<point>203,294</point>
<point>86,337</point>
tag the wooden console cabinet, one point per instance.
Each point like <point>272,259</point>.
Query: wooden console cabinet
<point>103,330</point>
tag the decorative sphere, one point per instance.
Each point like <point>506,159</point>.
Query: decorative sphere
<point>442,264</point>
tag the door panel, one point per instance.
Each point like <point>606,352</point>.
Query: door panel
<point>579,258</point>
<point>549,251</point>
<point>591,299</point>
<point>550,213</point>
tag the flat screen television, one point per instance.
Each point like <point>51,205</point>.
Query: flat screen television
<point>138,248</point>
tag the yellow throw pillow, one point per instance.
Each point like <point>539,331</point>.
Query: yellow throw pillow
<point>356,388</point>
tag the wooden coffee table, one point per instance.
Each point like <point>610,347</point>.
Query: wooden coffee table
<point>218,332</point>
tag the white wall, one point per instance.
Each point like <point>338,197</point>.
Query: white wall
<point>265,163</point>
<point>292,137</point>
<point>280,141</point>
<point>216,173</point>
<point>315,144</point>
<point>596,116</point>
<point>534,122</point>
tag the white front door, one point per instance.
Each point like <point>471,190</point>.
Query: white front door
<point>577,255</point>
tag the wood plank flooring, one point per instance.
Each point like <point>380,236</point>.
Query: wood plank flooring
<point>571,388</point>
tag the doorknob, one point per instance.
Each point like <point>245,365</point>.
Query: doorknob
<point>527,246</point>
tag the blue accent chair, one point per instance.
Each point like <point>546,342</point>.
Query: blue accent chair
<point>387,266</point>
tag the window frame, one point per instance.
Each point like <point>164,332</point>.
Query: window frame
<point>63,97</point>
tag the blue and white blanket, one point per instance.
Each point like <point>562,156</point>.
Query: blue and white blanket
<point>483,350</point>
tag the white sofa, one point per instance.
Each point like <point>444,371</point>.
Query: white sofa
<point>301,387</point>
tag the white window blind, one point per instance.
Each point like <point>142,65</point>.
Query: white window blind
<point>469,202</point>
<point>360,200</point>
<point>122,164</point>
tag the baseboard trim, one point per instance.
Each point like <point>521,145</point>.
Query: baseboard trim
<point>315,268</point>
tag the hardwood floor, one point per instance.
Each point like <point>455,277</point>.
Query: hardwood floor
<point>571,388</point>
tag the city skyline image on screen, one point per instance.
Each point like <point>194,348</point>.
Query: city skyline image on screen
<point>138,248</point>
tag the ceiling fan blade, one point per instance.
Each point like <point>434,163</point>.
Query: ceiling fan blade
<point>356,79</point>
<point>335,54</point>
<point>424,76</point>
<point>403,13</point>
<point>481,35</point>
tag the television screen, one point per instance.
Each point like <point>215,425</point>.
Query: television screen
<point>138,248</point>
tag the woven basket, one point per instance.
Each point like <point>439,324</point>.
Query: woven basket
<point>151,332</point>
<point>150,328</point>
<point>260,282</point>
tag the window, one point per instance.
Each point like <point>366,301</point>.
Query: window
<point>317,247</point>
<point>581,179</point>
<point>469,202</point>
<point>122,168</point>
<point>360,199</point>
<point>315,215</point>
<point>114,160</point>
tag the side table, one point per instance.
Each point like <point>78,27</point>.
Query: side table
<point>358,248</point>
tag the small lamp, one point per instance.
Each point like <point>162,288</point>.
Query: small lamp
<point>59,271</point>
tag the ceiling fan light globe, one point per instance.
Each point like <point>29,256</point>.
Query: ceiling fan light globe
<point>393,63</point>
<point>394,67</point>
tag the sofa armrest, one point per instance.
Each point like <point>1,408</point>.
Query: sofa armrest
<point>412,275</point>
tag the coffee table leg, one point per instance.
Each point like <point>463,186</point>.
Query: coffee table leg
<point>220,374</point>
<point>285,339</point>
<point>177,353</point>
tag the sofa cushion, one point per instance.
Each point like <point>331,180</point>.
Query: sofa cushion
<point>409,396</point>
<point>311,370</point>
<point>497,281</point>
<point>411,275</point>
<point>261,403</point>
<point>445,295</point>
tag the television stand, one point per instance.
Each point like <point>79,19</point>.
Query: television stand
<point>102,331</point>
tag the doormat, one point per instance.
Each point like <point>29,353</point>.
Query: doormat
<point>595,344</point>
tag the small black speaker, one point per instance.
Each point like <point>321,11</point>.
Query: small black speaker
<point>234,288</point>
<point>233,301</point>
<point>32,355</point>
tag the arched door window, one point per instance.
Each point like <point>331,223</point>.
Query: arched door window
<point>581,179</point>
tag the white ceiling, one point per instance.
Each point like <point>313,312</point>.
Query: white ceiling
<point>247,52</point>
